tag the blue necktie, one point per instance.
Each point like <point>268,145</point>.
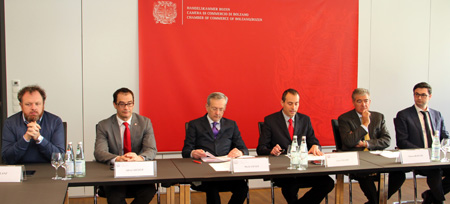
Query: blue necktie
<point>215,130</point>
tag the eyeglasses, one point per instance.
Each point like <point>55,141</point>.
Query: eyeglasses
<point>362,101</point>
<point>420,95</point>
<point>122,105</point>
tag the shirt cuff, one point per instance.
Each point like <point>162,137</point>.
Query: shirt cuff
<point>40,138</point>
<point>26,139</point>
<point>365,128</point>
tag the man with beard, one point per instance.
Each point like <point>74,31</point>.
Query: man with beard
<point>32,135</point>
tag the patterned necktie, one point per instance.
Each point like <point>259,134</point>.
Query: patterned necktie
<point>126,139</point>
<point>366,138</point>
<point>291,128</point>
<point>427,128</point>
<point>215,130</point>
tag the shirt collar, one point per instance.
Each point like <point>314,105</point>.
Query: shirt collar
<point>26,122</point>
<point>120,121</point>
<point>286,118</point>
<point>210,120</point>
<point>419,109</point>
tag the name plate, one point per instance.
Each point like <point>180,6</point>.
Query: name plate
<point>414,156</point>
<point>135,169</point>
<point>250,165</point>
<point>342,159</point>
<point>11,174</point>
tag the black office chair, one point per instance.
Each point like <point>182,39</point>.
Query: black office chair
<point>65,133</point>
<point>272,183</point>
<point>396,122</point>
<point>186,126</point>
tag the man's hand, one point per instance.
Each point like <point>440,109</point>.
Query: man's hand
<point>315,151</point>
<point>276,151</point>
<point>129,157</point>
<point>365,119</point>
<point>198,153</point>
<point>361,144</point>
<point>235,153</point>
<point>32,131</point>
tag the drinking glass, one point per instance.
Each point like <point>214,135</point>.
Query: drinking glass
<point>57,160</point>
<point>64,165</point>
<point>288,153</point>
<point>445,145</point>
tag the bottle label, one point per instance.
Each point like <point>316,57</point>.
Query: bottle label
<point>80,168</point>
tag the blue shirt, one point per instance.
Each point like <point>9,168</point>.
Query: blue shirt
<point>16,150</point>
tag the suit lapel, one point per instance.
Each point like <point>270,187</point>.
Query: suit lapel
<point>134,126</point>
<point>415,117</point>
<point>207,127</point>
<point>116,132</point>
<point>282,124</point>
<point>432,120</point>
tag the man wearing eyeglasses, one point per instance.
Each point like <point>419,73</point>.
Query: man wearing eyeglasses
<point>414,127</point>
<point>126,137</point>
<point>219,136</point>
<point>32,135</point>
<point>364,130</point>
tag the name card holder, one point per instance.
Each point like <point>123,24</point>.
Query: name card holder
<point>11,173</point>
<point>135,169</point>
<point>260,164</point>
<point>342,159</point>
<point>414,156</point>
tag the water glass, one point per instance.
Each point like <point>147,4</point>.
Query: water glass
<point>445,145</point>
<point>56,161</point>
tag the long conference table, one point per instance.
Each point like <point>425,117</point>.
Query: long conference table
<point>40,188</point>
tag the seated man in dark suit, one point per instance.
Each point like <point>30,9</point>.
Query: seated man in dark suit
<point>33,134</point>
<point>413,127</point>
<point>126,137</point>
<point>219,136</point>
<point>277,134</point>
<point>364,130</point>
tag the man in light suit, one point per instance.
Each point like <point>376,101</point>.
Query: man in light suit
<point>219,136</point>
<point>363,130</point>
<point>411,127</point>
<point>276,136</point>
<point>126,137</point>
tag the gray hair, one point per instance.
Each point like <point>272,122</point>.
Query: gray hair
<point>216,95</point>
<point>360,91</point>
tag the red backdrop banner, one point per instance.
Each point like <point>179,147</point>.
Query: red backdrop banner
<point>251,51</point>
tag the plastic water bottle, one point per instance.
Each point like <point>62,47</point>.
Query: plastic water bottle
<point>303,154</point>
<point>436,148</point>
<point>80,162</point>
<point>294,153</point>
<point>70,161</point>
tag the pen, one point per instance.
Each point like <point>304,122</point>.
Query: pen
<point>198,162</point>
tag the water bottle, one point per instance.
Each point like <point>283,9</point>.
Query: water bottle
<point>436,148</point>
<point>70,161</point>
<point>80,163</point>
<point>303,154</point>
<point>294,153</point>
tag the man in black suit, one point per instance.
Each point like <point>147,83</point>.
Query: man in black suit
<point>363,130</point>
<point>219,136</point>
<point>276,136</point>
<point>413,127</point>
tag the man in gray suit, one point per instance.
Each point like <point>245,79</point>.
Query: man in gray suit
<point>364,130</point>
<point>125,137</point>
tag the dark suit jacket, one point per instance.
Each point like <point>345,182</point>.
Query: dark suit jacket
<point>275,132</point>
<point>199,135</point>
<point>351,131</point>
<point>409,132</point>
<point>108,143</point>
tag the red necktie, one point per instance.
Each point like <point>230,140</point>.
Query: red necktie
<point>291,128</point>
<point>126,139</point>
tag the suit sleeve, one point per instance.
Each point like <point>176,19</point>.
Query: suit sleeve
<point>148,143</point>
<point>189,141</point>
<point>401,132</point>
<point>238,142</point>
<point>382,139</point>
<point>264,142</point>
<point>101,152</point>
<point>350,136</point>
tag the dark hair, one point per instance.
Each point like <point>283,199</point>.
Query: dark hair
<point>122,90</point>
<point>423,85</point>
<point>31,89</point>
<point>291,91</point>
